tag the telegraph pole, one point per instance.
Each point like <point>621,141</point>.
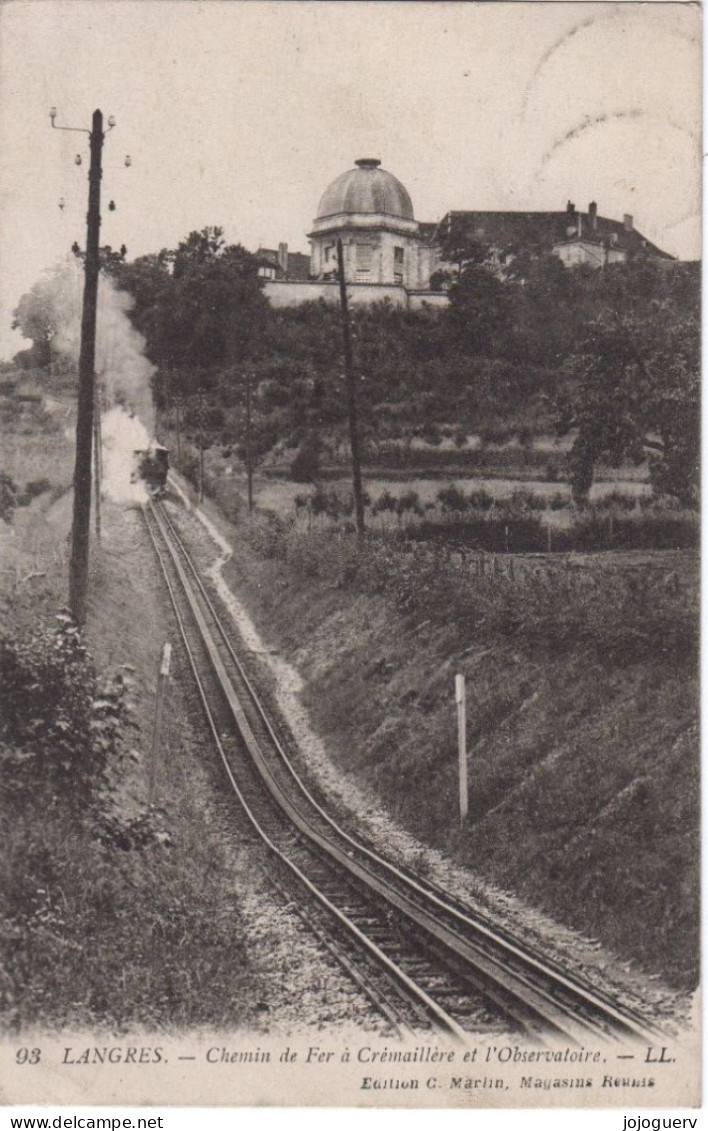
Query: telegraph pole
<point>460,699</point>
<point>178,417</point>
<point>97,462</point>
<point>201,421</point>
<point>81,524</point>
<point>78,565</point>
<point>351,395</point>
<point>249,457</point>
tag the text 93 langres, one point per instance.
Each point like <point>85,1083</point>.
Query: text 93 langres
<point>118,1054</point>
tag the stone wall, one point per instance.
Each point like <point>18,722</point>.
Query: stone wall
<point>281,293</point>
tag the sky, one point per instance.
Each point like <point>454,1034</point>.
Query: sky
<point>240,113</point>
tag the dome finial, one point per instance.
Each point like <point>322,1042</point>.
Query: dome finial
<point>368,162</point>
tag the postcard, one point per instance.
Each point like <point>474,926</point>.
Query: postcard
<point>349,528</point>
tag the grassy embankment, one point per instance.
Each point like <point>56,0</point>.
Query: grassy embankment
<point>112,917</point>
<point>582,706</point>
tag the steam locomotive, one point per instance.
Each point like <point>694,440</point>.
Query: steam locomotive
<point>151,465</point>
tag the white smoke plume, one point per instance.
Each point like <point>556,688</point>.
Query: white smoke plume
<point>122,434</point>
<point>122,373</point>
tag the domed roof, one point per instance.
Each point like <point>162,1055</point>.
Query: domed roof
<point>366,189</point>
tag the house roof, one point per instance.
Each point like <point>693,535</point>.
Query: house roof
<point>512,231</point>
<point>298,264</point>
<point>427,230</point>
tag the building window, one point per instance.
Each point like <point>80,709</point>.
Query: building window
<point>398,255</point>
<point>364,256</point>
<point>329,260</point>
<point>398,278</point>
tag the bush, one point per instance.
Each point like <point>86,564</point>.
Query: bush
<point>385,503</point>
<point>10,412</point>
<point>431,434</point>
<point>480,500</point>
<point>495,434</point>
<point>8,496</point>
<point>495,535</point>
<point>522,500</point>
<point>319,501</point>
<point>266,534</point>
<point>616,500</point>
<point>645,532</point>
<point>190,468</point>
<point>32,490</point>
<point>451,498</point>
<point>305,466</point>
<point>107,935</point>
<point>408,503</point>
<point>558,502</point>
<point>59,725</point>
<point>510,462</point>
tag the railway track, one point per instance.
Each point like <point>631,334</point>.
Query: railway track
<point>426,961</point>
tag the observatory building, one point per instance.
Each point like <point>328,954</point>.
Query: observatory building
<point>372,213</point>
<point>388,254</point>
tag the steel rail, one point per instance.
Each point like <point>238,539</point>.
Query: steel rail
<point>380,1003</point>
<point>441,1019</point>
<point>605,1014</point>
<point>485,973</point>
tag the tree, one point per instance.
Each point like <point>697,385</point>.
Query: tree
<point>549,306</point>
<point>49,314</point>
<point>145,279</point>
<point>633,384</point>
<point>460,250</point>
<point>37,318</point>
<point>479,317</point>
<point>199,306</point>
<point>305,466</point>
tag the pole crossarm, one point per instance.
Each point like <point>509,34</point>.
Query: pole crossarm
<point>78,129</point>
<point>71,129</point>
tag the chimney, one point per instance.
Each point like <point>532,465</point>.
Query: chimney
<point>592,214</point>
<point>283,257</point>
<point>570,208</point>
<point>628,222</point>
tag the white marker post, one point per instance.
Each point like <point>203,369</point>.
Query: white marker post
<point>462,743</point>
<point>162,677</point>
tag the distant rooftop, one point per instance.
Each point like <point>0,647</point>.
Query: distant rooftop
<point>508,231</point>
